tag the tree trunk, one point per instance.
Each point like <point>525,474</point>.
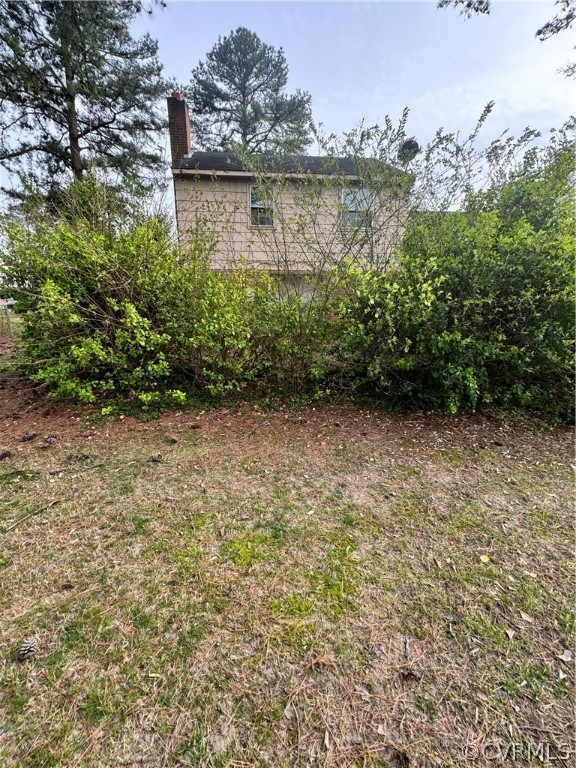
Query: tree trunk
<point>70,97</point>
<point>244,126</point>
<point>72,121</point>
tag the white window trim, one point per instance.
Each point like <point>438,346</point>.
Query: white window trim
<point>251,207</point>
<point>343,210</point>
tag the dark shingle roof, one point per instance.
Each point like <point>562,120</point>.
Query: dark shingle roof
<point>227,161</point>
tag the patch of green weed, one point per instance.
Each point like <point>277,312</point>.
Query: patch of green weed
<point>97,704</point>
<point>246,551</point>
<point>529,678</point>
<point>484,628</point>
<point>408,470</point>
<point>336,582</point>
<point>427,706</point>
<point>292,606</point>
<point>140,524</point>
<point>411,507</point>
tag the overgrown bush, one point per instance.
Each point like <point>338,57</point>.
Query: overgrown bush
<point>480,305</point>
<point>232,329</point>
<point>477,307</point>
<point>111,307</point>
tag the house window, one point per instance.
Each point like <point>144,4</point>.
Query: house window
<point>357,204</point>
<point>261,208</point>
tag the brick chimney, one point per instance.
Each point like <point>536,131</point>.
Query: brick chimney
<point>179,128</point>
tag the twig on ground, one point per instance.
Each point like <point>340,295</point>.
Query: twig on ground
<point>31,514</point>
<point>19,472</point>
<point>74,469</point>
<point>125,465</point>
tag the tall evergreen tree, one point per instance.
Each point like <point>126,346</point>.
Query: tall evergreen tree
<point>76,89</point>
<point>238,98</point>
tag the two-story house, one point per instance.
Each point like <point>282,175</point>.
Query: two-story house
<point>295,214</point>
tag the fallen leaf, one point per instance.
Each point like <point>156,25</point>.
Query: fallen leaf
<point>485,558</point>
<point>510,633</point>
<point>566,655</point>
<point>527,618</point>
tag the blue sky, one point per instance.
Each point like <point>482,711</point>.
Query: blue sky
<point>368,59</point>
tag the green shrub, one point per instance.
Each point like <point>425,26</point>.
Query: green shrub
<point>478,308</point>
<point>111,307</point>
<point>88,306</point>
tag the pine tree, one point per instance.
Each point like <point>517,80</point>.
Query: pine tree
<point>76,90</point>
<point>238,98</point>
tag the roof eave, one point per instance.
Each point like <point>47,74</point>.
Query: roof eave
<point>253,175</point>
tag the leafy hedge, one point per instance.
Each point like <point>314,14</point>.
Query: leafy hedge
<point>478,308</point>
<point>118,311</point>
<point>480,305</point>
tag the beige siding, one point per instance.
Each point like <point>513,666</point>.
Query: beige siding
<point>306,235</point>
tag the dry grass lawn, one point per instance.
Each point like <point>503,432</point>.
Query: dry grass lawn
<point>327,587</point>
